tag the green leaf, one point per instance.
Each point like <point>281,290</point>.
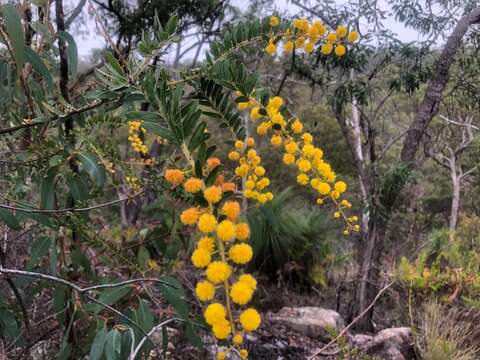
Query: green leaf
<point>143,256</point>
<point>241,99</point>
<point>144,316</point>
<point>8,324</point>
<point>9,219</point>
<point>98,344</point>
<point>78,188</point>
<point>91,164</point>
<point>109,296</point>
<point>72,51</point>
<point>144,115</point>
<point>114,63</point>
<point>39,66</point>
<point>171,25</point>
<point>174,295</point>
<point>39,249</point>
<point>13,26</point>
<point>159,130</point>
<point>113,346</point>
<point>47,190</point>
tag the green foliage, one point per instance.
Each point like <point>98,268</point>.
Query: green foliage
<point>291,240</point>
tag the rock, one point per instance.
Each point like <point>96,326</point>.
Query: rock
<point>360,340</point>
<point>41,350</point>
<point>314,322</point>
<point>389,344</point>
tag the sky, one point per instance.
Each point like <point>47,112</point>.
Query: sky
<point>93,39</point>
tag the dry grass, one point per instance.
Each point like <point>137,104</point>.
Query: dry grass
<point>449,333</point>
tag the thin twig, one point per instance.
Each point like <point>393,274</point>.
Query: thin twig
<point>319,352</point>
<point>71,209</point>
<point>150,333</point>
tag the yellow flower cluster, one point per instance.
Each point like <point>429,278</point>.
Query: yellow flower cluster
<point>220,249</point>
<point>306,36</point>
<point>134,183</point>
<point>249,168</point>
<point>134,129</point>
<point>298,151</point>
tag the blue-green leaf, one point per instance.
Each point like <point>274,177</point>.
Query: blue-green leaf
<point>91,164</point>
<point>72,51</point>
<point>39,66</point>
<point>98,344</point>
<point>13,26</point>
<point>9,219</point>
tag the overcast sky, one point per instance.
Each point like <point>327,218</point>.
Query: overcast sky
<point>94,40</point>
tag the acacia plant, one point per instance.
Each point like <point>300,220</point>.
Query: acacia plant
<point>69,162</point>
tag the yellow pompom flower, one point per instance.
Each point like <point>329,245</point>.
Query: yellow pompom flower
<point>340,186</point>
<point>309,47</point>
<point>304,165</point>
<point>241,293</point>
<point>251,154</point>
<point>255,113</point>
<point>212,194</point>
<point>307,138</point>
<point>193,185</point>
<point>228,187</point>
<point>221,355</point>
<point>238,145</point>
<point>250,141</point>
<point>288,47</point>
<point>205,291</point>
<point>275,102</point>
<point>276,140</point>
<point>340,50</point>
<point>308,150</point>
<point>242,231</point>
<point>240,253</point>
<point>249,280</point>
<point>226,230</point>
<point>243,354</point>
<point>218,271</point>
<point>207,243</point>
<point>297,126</point>
<point>207,223</point>
<point>323,188</point>
<point>288,159</point>
<point>302,179</point>
<point>250,319</point>
<point>241,170</point>
<point>291,147</point>
<point>237,339</point>
<point>271,48</point>
<point>262,129</point>
<point>336,214</point>
<point>274,21</point>
<point>213,162</point>
<point>332,37</point>
<point>189,216</point>
<point>352,37</point>
<point>259,171</point>
<point>174,176</point>
<point>222,329</point>
<point>214,313</point>
<point>231,209</point>
<point>233,155</point>
<point>201,258</point>
<point>300,42</point>
<point>326,49</point>
<point>342,31</point>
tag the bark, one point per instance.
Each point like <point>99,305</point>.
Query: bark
<point>456,184</point>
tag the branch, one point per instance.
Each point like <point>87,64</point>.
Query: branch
<point>71,209</point>
<point>431,102</point>
<point>62,117</point>
<point>75,13</point>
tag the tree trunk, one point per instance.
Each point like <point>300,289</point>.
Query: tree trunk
<point>455,206</point>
